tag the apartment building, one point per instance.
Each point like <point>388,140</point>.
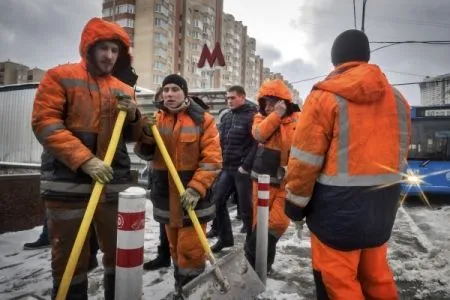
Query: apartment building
<point>435,90</point>
<point>168,37</point>
<point>15,73</point>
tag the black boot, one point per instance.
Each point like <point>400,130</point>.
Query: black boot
<point>109,284</point>
<point>93,263</point>
<point>250,249</point>
<point>212,233</point>
<point>76,291</point>
<point>219,245</point>
<point>161,261</point>
<point>39,244</point>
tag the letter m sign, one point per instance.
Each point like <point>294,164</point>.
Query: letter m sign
<point>211,57</point>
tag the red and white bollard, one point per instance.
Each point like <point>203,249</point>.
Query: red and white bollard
<point>130,243</point>
<point>262,228</point>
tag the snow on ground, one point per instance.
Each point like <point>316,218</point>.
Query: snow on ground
<point>419,260</point>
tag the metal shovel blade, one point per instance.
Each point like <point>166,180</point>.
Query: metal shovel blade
<point>243,282</point>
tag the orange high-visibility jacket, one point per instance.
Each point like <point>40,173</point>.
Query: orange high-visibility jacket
<point>273,133</point>
<point>73,117</point>
<point>192,140</point>
<point>345,165</point>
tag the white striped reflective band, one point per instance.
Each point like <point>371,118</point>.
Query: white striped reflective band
<point>343,178</point>
<point>258,135</point>
<point>65,214</point>
<point>130,239</point>
<point>297,200</point>
<point>209,166</point>
<point>359,180</point>
<point>312,159</point>
<point>69,187</point>
<point>48,131</point>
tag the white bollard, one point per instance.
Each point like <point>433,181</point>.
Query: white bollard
<point>130,243</point>
<point>262,228</point>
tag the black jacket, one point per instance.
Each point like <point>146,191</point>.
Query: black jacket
<point>236,139</point>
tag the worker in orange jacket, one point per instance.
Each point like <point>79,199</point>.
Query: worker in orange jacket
<point>74,113</point>
<point>273,128</point>
<point>344,173</point>
<point>192,140</point>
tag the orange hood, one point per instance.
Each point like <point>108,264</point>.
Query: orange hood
<point>275,88</point>
<point>356,82</point>
<point>97,30</point>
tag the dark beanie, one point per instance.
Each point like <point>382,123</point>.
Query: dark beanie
<point>351,45</point>
<point>178,80</point>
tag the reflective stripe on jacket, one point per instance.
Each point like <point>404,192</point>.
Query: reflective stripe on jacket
<point>348,152</point>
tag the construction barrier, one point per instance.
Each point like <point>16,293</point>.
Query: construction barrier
<point>262,230</point>
<point>130,244</point>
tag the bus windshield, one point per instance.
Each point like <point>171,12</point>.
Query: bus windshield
<point>430,139</point>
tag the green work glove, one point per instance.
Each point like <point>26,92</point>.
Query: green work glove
<point>127,104</point>
<point>98,170</point>
<point>190,198</point>
<point>149,122</point>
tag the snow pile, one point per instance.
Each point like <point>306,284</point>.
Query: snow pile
<point>420,266</point>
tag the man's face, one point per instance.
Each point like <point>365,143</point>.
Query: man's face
<point>173,95</point>
<point>105,56</point>
<point>270,106</point>
<point>235,100</point>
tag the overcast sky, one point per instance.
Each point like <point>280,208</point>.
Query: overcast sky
<point>293,36</point>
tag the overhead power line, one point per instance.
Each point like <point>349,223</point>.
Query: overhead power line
<point>389,44</point>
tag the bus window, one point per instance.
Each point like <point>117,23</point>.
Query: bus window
<point>430,140</point>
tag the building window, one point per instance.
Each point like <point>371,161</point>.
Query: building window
<point>160,52</point>
<point>161,9</point>
<point>159,37</point>
<point>107,12</point>
<point>126,23</point>
<point>125,8</point>
<point>157,65</point>
<point>161,23</point>
<point>158,79</point>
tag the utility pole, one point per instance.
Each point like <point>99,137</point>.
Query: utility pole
<point>114,10</point>
<point>363,15</point>
<point>354,12</point>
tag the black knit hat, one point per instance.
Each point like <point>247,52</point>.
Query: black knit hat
<point>178,80</point>
<point>351,45</point>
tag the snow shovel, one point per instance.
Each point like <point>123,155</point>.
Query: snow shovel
<point>90,210</point>
<point>232,277</point>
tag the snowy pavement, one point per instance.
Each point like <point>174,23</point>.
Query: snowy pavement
<point>419,255</point>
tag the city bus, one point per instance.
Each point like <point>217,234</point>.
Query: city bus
<point>428,169</point>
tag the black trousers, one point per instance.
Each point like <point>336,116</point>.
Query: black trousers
<point>242,183</point>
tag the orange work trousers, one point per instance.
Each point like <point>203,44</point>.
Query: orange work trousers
<point>358,274</point>
<point>185,249</point>
<point>278,221</point>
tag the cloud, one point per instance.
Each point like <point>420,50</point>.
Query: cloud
<point>323,20</point>
<point>270,54</point>
<point>44,33</point>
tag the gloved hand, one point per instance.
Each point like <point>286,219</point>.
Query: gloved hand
<point>242,170</point>
<point>149,121</point>
<point>280,108</point>
<point>126,103</point>
<point>98,170</point>
<point>299,228</point>
<point>190,198</point>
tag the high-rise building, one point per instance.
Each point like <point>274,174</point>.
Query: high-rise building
<point>435,90</point>
<point>169,35</point>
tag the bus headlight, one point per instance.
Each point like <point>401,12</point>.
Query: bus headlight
<point>413,179</point>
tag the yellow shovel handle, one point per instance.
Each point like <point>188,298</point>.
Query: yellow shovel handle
<point>90,209</point>
<point>176,178</point>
